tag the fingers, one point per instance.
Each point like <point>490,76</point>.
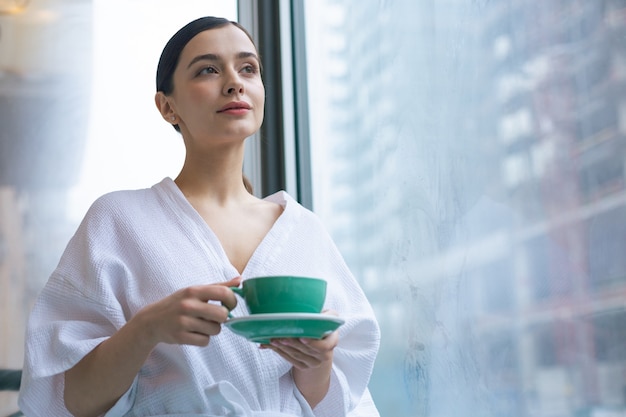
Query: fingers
<point>292,351</point>
<point>231,283</point>
<point>189,316</point>
<point>199,337</point>
<point>201,326</point>
<point>305,353</point>
<point>212,292</point>
<point>297,362</point>
<point>215,292</point>
<point>326,344</point>
<point>214,313</point>
<point>330,312</point>
<point>196,326</point>
<point>232,302</point>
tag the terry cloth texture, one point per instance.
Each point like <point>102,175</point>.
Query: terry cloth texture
<point>136,247</point>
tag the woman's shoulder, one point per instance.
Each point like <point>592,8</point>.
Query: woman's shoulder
<point>120,200</point>
<point>299,216</point>
<point>118,204</point>
<point>291,206</point>
<point>133,197</point>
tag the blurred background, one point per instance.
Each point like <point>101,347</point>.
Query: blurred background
<point>468,157</point>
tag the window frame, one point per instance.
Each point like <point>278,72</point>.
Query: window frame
<point>278,157</point>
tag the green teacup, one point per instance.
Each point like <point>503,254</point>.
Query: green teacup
<point>283,294</point>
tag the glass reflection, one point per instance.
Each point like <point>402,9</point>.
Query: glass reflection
<point>469,157</point>
<point>45,61</point>
<point>77,119</point>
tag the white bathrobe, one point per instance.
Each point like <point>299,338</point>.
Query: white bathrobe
<point>136,247</point>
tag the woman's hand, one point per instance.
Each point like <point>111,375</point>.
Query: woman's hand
<point>312,362</point>
<point>187,316</point>
<point>98,380</point>
<point>304,353</point>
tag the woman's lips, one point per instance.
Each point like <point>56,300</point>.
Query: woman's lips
<point>235,108</point>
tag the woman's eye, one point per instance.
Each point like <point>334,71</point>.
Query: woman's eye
<point>250,69</point>
<point>207,70</point>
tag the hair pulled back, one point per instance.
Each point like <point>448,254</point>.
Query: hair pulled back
<point>173,48</point>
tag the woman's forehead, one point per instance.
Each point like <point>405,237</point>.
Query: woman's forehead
<point>223,42</point>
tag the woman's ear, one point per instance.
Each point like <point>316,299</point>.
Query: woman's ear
<point>165,108</point>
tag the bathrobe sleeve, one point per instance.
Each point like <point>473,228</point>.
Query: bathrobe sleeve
<point>75,312</point>
<point>359,340</point>
<point>311,251</point>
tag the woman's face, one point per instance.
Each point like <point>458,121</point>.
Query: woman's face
<point>218,92</point>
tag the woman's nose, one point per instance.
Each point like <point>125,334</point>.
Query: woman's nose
<point>233,86</point>
<point>233,90</point>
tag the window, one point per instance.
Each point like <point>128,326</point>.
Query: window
<point>468,158</point>
<point>77,119</point>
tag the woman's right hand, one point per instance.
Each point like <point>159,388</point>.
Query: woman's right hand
<point>99,379</point>
<point>187,316</point>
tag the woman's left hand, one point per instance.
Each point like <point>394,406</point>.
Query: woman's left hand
<point>312,361</point>
<point>304,353</point>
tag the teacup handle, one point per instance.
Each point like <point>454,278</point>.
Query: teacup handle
<point>238,291</point>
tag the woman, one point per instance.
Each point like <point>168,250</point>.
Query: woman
<point>130,322</point>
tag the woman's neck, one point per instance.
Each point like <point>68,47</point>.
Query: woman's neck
<point>216,178</point>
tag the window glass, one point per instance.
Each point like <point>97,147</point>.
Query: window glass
<point>77,119</point>
<point>468,157</point>
<point>128,146</point>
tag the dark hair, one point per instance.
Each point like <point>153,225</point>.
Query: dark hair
<point>173,48</point>
<point>171,55</point>
<point>176,44</point>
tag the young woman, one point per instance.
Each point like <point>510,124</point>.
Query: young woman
<point>131,321</point>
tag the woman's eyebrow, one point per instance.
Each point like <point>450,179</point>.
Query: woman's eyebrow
<point>214,57</point>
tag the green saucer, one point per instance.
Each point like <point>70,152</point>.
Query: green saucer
<point>260,328</point>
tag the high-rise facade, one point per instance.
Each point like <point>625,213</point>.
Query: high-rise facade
<point>477,154</point>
